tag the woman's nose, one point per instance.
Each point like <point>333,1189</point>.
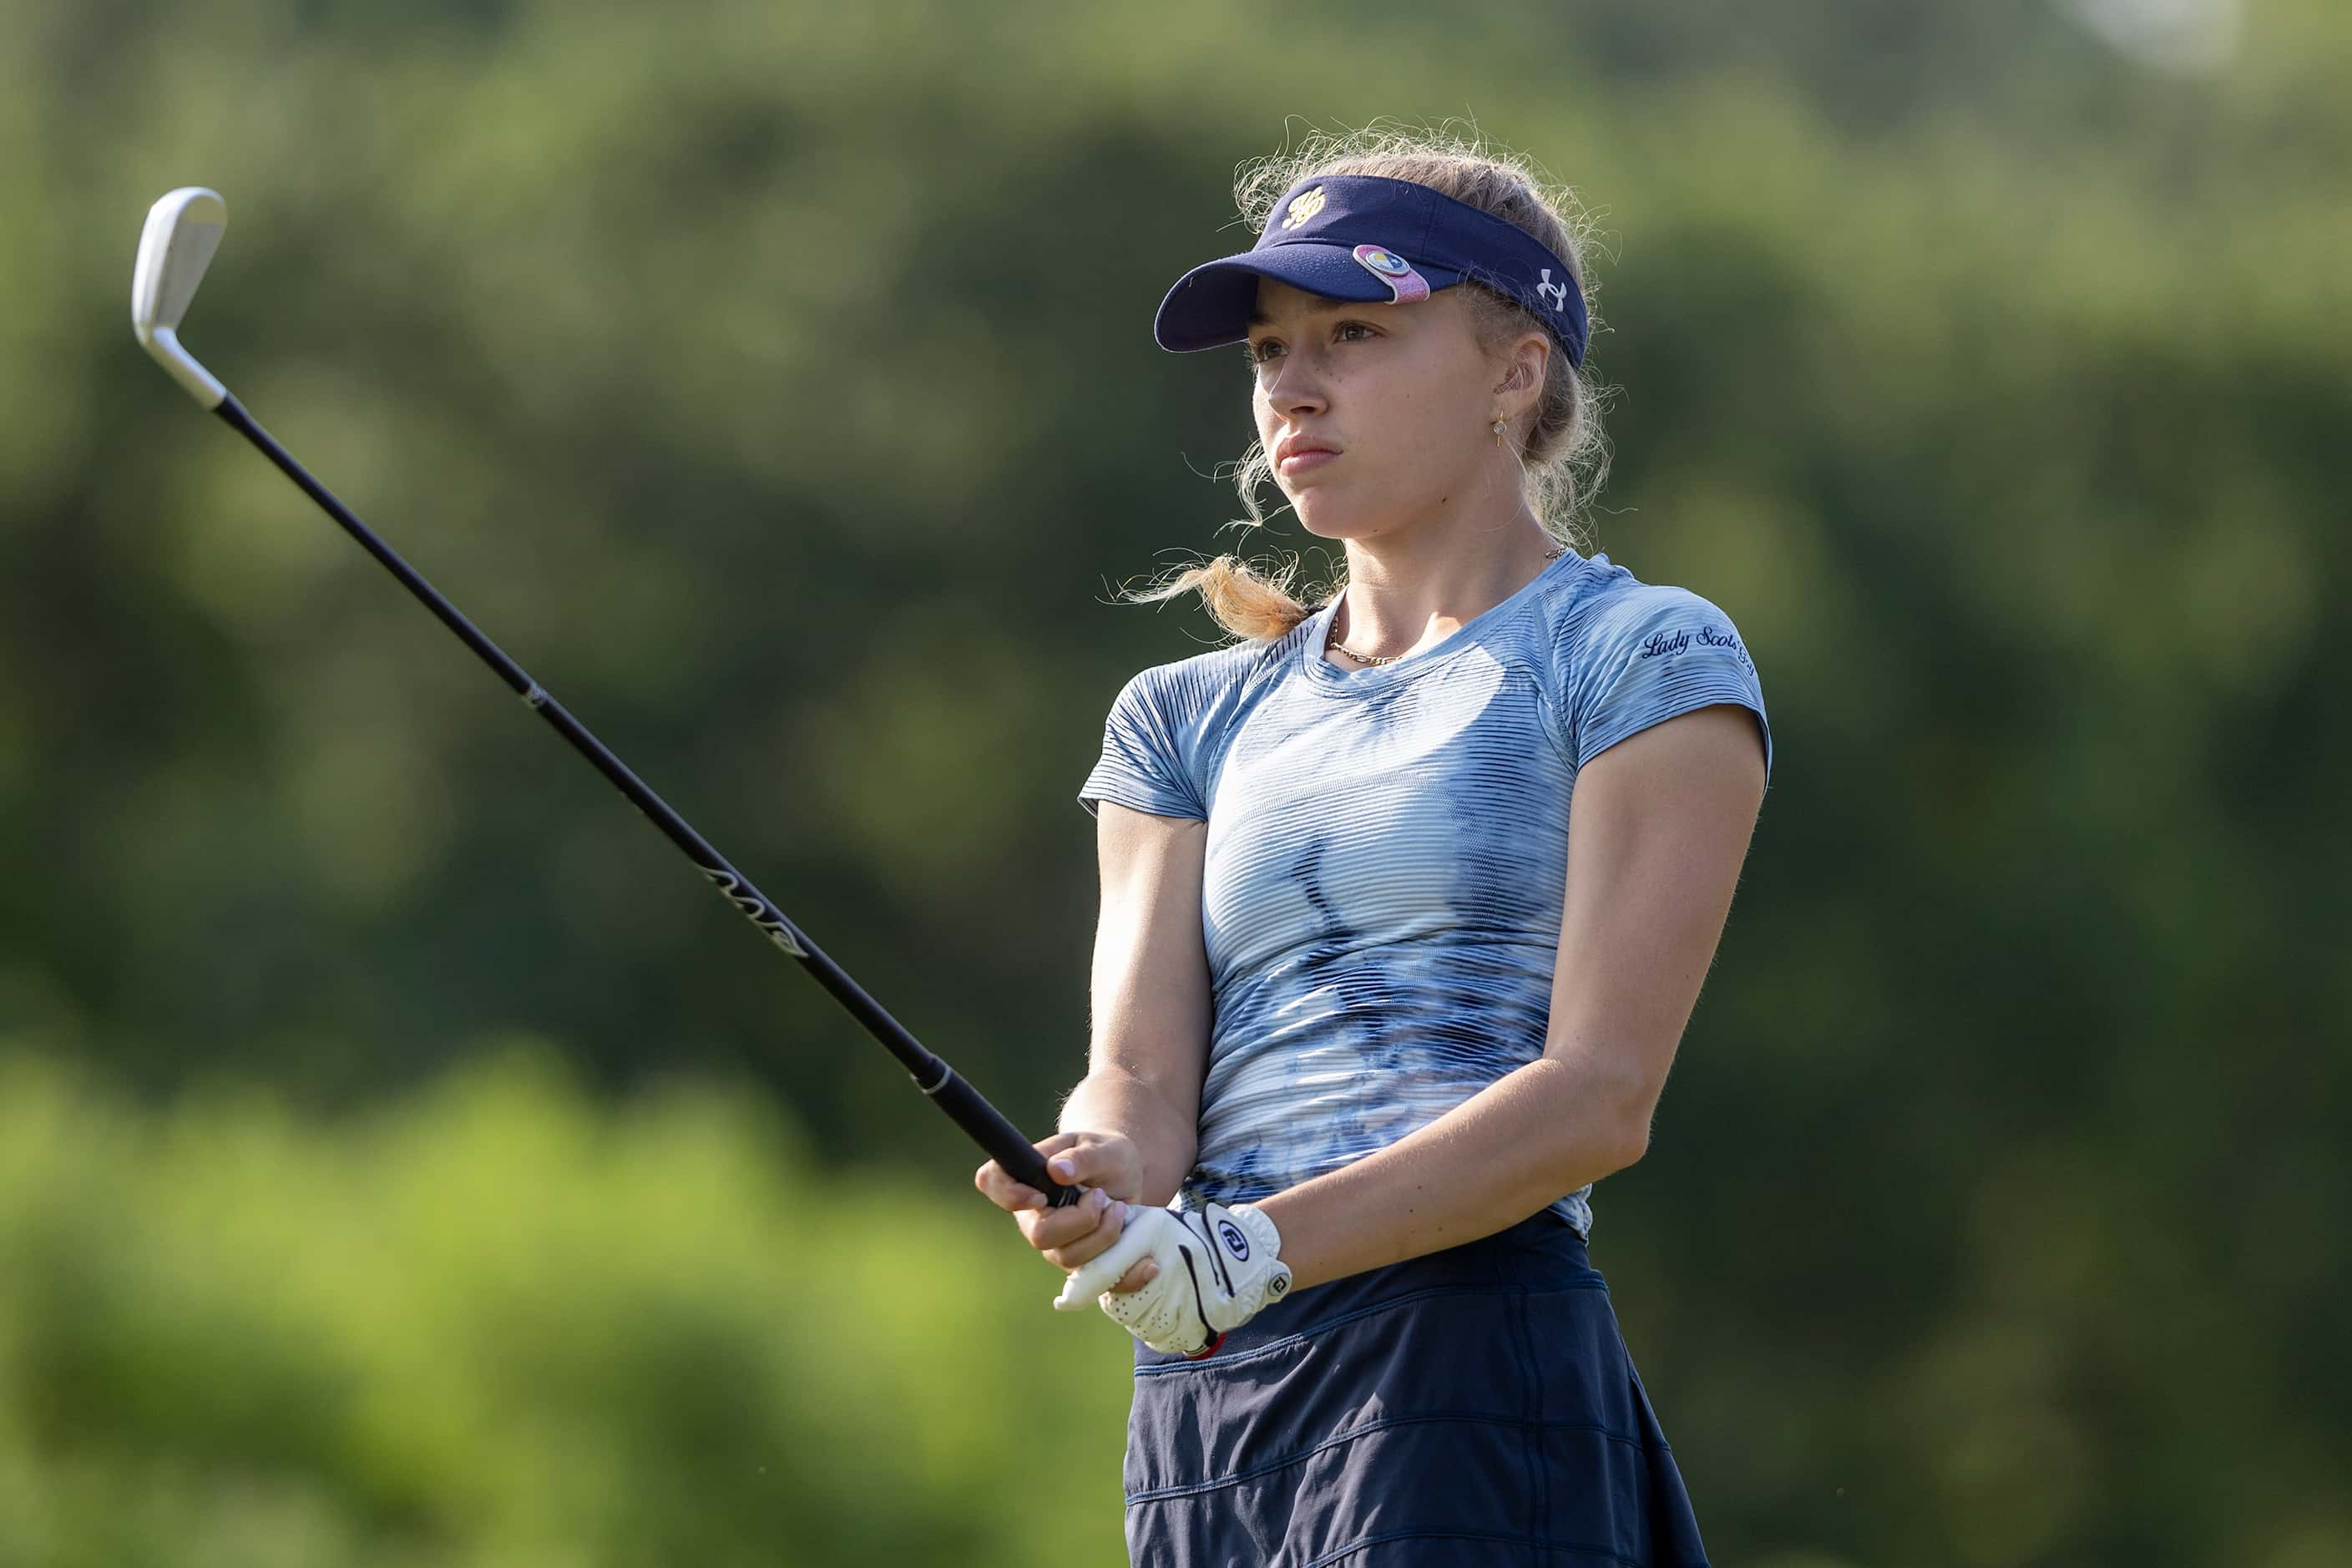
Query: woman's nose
<point>1295,389</point>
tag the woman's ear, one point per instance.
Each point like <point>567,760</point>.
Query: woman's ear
<point>1530,358</point>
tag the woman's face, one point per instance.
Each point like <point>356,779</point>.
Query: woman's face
<point>1401,392</point>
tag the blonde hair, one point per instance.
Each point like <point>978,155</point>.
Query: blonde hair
<point>1563,455</point>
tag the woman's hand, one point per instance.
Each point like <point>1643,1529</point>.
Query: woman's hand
<point>1107,1165</point>
<point>1220,1267</point>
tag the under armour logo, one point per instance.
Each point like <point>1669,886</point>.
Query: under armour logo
<point>1555,292</point>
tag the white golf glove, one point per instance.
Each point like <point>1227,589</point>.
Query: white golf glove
<point>1219,1267</point>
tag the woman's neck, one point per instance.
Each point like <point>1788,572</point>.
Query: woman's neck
<point>1416,587</point>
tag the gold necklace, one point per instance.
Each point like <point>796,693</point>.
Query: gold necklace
<point>1391,657</point>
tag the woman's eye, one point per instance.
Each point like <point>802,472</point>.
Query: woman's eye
<point>1264,349</point>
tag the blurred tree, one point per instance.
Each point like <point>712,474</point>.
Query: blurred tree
<point>776,385</point>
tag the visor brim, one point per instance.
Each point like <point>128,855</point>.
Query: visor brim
<point>1210,306</point>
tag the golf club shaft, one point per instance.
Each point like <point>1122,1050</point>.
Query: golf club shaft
<point>948,1090</point>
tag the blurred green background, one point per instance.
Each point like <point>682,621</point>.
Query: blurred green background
<point>406,1160</point>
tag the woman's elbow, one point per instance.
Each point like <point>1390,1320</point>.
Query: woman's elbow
<point>1607,1146</point>
<point>1632,1141</point>
<point>1604,1126</point>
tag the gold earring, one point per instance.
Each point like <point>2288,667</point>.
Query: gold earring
<point>1498,432</point>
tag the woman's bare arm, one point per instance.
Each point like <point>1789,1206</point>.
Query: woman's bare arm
<point>1131,1127</point>
<point>1151,1046</point>
<point>1659,827</point>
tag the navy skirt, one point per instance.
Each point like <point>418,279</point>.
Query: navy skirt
<point>1474,1405</point>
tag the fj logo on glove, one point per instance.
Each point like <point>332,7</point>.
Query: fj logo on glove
<point>1235,1241</point>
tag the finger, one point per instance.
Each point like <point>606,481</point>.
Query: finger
<point>1045,1147</point>
<point>1091,1279</point>
<point>1090,1239</point>
<point>1047,1228</point>
<point>1059,1143</point>
<point>1003,1190</point>
<point>1137,1277</point>
<point>1084,1161</point>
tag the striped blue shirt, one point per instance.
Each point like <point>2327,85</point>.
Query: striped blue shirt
<point>1387,853</point>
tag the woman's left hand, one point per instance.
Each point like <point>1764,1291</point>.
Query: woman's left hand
<point>1217,1269</point>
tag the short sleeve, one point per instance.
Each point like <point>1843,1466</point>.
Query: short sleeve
<point>1655,654</point>
<point>1143,765</point>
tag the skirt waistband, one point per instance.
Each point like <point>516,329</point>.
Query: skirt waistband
<point>1542,1252</point>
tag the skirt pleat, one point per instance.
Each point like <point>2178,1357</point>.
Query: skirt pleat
<point>1474,1405</point>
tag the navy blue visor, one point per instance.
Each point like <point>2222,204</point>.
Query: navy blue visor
<point>1375,241</point>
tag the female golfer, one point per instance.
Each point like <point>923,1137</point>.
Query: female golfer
<point>1406,899</point>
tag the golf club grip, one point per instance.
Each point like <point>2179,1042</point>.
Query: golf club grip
<point>947,1088</point>
<point>992,1131</point>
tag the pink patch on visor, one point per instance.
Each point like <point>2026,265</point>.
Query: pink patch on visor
<point>1405,285</point>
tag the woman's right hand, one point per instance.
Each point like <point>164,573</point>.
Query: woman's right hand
<point>1108,1165</point>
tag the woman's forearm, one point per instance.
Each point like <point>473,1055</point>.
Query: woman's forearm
<point>1110,1101</point>
<point>1524,1140</point>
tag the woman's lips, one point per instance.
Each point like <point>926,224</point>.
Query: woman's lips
<point>1300,462</point>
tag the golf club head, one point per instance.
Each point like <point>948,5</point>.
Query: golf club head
<point>183,229</point>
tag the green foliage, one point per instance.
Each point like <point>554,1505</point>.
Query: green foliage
<point>775,383</point>
<point>497,1324</point>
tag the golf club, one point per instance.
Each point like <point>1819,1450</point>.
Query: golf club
<point>183,229</point>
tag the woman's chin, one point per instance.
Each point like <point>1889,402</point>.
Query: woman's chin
<point>1325,521</point>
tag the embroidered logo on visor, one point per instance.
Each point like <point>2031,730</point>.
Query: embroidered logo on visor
<point>1303,206</point>
<point>1405,284</point>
